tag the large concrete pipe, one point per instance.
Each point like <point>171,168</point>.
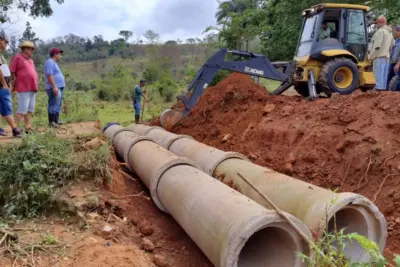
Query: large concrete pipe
<point>207,157</point>
<point>228,227</point>
<point>311,204</point>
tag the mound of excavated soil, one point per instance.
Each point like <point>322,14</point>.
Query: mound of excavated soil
<point>349,142</point>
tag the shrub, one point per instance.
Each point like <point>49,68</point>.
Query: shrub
<point>33,173</point>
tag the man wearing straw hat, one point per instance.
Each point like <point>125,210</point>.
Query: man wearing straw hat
<point>24,80</point>
<point>5,92</point>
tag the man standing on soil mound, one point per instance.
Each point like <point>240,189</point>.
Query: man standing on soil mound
<point>379,52</point>
<point>137,94</point>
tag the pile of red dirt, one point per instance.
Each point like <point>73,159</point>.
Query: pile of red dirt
<point>349,142</point>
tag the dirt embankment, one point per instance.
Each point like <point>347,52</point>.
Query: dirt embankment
<point>349,142</point>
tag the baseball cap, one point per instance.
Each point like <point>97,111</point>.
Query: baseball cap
<point>380,19</point>
<point>143,81</point>
<point>54,51</point>
<point>397,28</point>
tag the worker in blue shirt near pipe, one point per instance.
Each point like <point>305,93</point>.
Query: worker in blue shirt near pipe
<point>137,94</point>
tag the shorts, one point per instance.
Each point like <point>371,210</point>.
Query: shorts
<point>26,102</point>
<point>5,103</point>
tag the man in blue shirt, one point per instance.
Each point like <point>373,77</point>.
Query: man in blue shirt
<point>137,94</point>
<point>395,61</point>
<point>55,84</point>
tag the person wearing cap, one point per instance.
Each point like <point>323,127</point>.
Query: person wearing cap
<point>24,80</point>
<point>394,66</point>
<point>55,84</point>
<point>137,94</point>
<point>379,52</point>
<point>5,92</point>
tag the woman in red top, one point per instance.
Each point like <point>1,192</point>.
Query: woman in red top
<point>24,80</point>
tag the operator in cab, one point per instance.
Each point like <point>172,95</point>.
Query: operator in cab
<point>138,93</point>
<point>325,32</point>
<point>379,52</point>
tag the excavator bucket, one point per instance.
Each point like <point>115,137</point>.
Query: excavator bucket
<point>169,118</point>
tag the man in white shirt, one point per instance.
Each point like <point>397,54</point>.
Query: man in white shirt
<point>325,32</point>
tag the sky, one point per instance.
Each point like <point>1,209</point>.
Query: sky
<point>172,19</point>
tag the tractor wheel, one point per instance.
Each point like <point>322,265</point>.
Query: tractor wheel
<point>339,75</point>
<point>393,84</point>
<point>302,89</point>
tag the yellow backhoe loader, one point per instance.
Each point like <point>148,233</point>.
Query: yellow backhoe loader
<point>336,63</point>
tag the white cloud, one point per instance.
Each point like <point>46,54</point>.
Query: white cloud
<point>172,19</point>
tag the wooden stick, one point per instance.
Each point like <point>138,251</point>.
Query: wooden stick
<point>279,211</point>
<point>13,236</point>
<point>283,215</point>
<point>380,187</point>
<point>144,102</point>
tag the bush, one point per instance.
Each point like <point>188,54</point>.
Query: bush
<point>33,173</point>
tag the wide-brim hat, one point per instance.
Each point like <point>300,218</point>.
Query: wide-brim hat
<point>27,44</point>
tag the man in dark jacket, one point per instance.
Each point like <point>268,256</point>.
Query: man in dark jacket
<point>137,94</point>
<point>395,60</point>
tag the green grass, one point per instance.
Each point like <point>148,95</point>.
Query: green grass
<point>79,106</point>
<point>34,172</point>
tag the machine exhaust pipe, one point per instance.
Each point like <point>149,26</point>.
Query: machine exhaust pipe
<point>315,206</point>
<point>231,229</point>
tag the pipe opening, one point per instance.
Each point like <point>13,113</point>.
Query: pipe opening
<point>271,246</point>
<point>353,221</point>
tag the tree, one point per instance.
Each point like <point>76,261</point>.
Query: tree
<point>126,35</point>
<point>229,7</point>
<point>29,34</point>
<point>14,44</point>
<point>36,8</point>
<point>171,42</point>
<point>191,41</point>
<point>152,37</point>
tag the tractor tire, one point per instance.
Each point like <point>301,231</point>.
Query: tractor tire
<point>302,89</point>
<point>392,86</point>
<point>339,75</point>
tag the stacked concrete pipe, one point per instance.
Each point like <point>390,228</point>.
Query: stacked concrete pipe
<point>315,206</point>
<point>231,229</point>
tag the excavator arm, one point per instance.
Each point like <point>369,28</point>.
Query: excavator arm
<point>255,65</point>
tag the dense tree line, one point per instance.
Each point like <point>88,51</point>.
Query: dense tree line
<point>274,25</point>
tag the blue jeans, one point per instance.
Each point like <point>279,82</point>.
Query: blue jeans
<point>136,106</point>
<point>5,101</point>
<point>55,102</point>
<point>381,68</point>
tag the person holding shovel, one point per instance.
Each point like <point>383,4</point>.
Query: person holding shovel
<point>137,94</point>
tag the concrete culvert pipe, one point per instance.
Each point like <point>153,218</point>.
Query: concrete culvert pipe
<point>231,229</point>
<point>311,204</point>
<point>208,158</point>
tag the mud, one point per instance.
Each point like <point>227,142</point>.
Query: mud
<point>350,143</point>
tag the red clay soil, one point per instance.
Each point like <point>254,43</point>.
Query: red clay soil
<point>170,240</point>
<point>350,142</point>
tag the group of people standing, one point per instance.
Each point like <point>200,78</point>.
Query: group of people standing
<point>384,52</point>
<point>21,78</point>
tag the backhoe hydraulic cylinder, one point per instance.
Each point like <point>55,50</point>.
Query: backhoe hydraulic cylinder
<point>318,208</point>
<point>231,229</point>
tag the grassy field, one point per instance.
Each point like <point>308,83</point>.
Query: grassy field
<point>80,106</point>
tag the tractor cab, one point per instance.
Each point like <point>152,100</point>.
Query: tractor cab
<point>332,27</point>
<point>333,48</point>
